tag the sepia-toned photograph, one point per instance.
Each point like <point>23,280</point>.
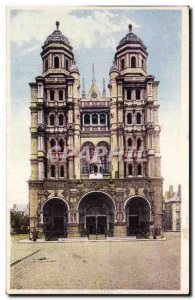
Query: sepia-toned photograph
<point>97,150</point>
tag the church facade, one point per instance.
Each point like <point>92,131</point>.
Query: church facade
<point>95,160</point>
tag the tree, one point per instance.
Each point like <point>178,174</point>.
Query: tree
<point>19,222</point>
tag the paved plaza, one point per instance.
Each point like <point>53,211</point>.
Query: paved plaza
<point>97,265</point>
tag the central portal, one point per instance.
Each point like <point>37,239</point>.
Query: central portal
<point>97,224</point>
<point>96,214</point>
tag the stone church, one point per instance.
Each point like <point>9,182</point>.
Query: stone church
<point>95,160</point>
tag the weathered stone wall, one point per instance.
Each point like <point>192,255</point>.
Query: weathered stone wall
<point>120,190</point>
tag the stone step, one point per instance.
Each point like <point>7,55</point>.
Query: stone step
<point>97,237</point>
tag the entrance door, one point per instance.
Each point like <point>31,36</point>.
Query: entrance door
<point>133,224</point>
<point>59,224</point>
<point>55,219</point>
<point>91,225</point>
<point>101,224</point>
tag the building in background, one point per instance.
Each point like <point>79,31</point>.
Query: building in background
<point>21,208</point>
<point>115,195</point>
<point>172,209</point>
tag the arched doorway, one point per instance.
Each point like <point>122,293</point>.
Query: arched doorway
<point>137,216</point>
<point>96,214</point>
<point>55,219</point>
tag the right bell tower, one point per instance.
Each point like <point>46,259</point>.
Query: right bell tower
<point>134,124</point>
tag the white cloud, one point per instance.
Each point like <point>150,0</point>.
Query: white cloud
<point>85,29</point>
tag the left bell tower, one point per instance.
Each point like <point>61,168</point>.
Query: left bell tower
<point>54,121</point>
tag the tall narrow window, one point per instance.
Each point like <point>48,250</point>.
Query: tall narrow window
<point>129,94</point>
<point>56,62</point>
<point>142,64</point>
<point>139,169</point>
<point>51,118</point>
<point>52,95</point>
<point>67,64</point>
<point>122,64</point>
<point>52,143</point>
<point>129,118</point>
<point>129,142</point>
<point>45,94</point>
<point>86,119</point>
<point>130,170</point>
<point>137,94</point>
<point>61,120</point>
<point>95,118</point>
<point>66,93</point>
<point>61,96</point>
<point>133,62</point>
<point>62,171</point>
<point>46,64</point>
<point>102,119</point>
<point>61,144</point>
<point>138,118</point>
<point>139,144</point>
<point>53,171</point>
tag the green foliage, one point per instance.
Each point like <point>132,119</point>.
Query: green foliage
<point>19,222</point>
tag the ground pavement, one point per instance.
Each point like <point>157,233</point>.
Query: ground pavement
<point>97,265</point>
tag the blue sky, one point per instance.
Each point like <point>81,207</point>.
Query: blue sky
<point>94,35</point>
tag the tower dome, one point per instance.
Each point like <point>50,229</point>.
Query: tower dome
<point>131,55</point>
<point>56,37</point>
<point>114,67</point>
<point>74,68</point>
<point>131,38</point>
<point>57,53</point>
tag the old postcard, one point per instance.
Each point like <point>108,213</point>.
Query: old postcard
<point>97,149</point>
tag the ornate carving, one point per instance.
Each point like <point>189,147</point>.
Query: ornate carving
<point>146,192</point>
<point>120,217</point>
<point>46,193</point>
<point>127,192</point>
<point>55,193</point>
<point>80,192</point>
<point>136,191</point>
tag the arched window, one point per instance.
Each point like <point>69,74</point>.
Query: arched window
<point>129,94</point>
<point>46,64</point>
<point>56,62</point>
<point>95,119</point>
<point>61,144</point>
<point>139,169</point>
<point>87,119</point>
<point>129,142</point>
<point>62,171</point>
<point>129,118</point>
<point>61,120</point>
<point>51,120</point>
<point>104,152</point>
<point>130,170</point>
<point>52,143</point>
<point>87,153</point>
<point>52,95</point>
<point>133,62</point>
<point>53,171</point>
<point>122,64</point>
<point>102,119</point>
<point>137,94</point>
<point>138,118</point>
<point>66,64</point>
<point>61,96</point>
<point>139,144</point>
